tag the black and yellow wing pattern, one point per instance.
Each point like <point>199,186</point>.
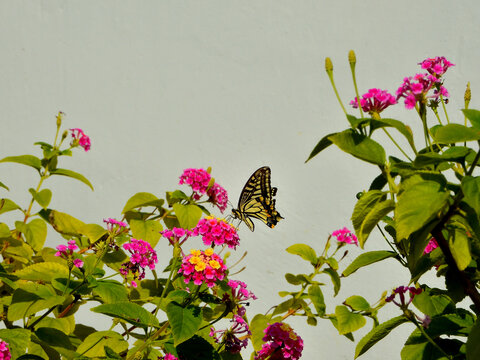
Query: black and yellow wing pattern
<point>256,200</point>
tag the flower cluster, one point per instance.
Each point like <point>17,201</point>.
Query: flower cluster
<point>4,351</point>
<point>432,245</point>
<point>218,196</point>
<point>176,234</point>
<point>281,343</point>
<point>79,138</point>
<point>115,226</point>
<point>230,337</point>
<point>374,101</point>
<point>142,256</point>
<point>345,236</point>
<point>202,267</point>
<point>217,231</point>
<point>66,252</point>
<point>240,295</point>
<point>400,291</point>
<point>168,356</point>
<point>436,66</point>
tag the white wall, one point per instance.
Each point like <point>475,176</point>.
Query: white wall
<point>164,85</point>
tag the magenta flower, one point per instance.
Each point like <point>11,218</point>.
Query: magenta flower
<point>142,256</point>
<point>281,343</point>
<point>414,89</point>
<point>4,351</point>
<point>240,296</point>
<point>79,138</point>
<point>66,252</point>
<point>177,235</point>
<point>197,179</point>
<point>115,226</point>
<point>217,231</point>
<point>432,245</point>
<point>375,101</point>
<point>436,66</point>
<point>400,291</point>
<point>202,267</point>
<point>218,196</point>
<point>168,356</point>
<point>345,236</point>
<point>230,337</point>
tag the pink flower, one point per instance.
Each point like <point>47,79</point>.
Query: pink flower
<point>415,89</point>
<point>142,256</point>
<point>177,235</point>
<point>169,356</point>
<point>218,196</point>
<point>115,225</point>
<point>436,66</point>
<point>375,101</point>
<point>239,297</point>
<point>198,179</point>
<point>230,338</point>
<point>79,138</point>
<point>217,231</point>
<point>66,252</point>
<point>345,236</point>
<point>4,351</point>
<point>432,245</point>
<point>400,291</point>
<point>281,343</point>
<point>202,267</point>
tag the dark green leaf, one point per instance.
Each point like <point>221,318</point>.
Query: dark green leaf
<point>322,145</point>
<point>28,160</point>
<point>359,146</point>
<point>130,312</point>
<point>457,154</point>
<point>184,321</point>
<point>473,342</point>
<point>471,188</point>
<point>367,259</point>
<point>453,133</point>
<point>197,348</point>
<point>459,244</point>
<point>73,175</point>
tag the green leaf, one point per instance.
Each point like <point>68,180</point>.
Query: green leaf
<point>304,251</point>
<point>130,312</point>
<point>175,197</point>
<point>45,271</point>
<point>473,116</point>
<point>400,126</point>
<point>257,325</point>
<point>184,321</point>
<point>322,145</point>
<point>73,175</point>
<point>148,230</point>
<point>17,340</point>
<point>471,188</point>
<point>188,215</point>
<point>357,303</point>
<point>316,296</point>
<point>473,342</point>
<point>420,202</point>
<point>432,304</point>
<point>4,186</point>
<point>92,231</point>
<point>293,279</point>
<point>111,291</point>
<point>28,160</point>
<point>197,348</point>
<point>367,258</point>
<point>4,231</point>
<point>65,224</point>
<point>36,234</point>
<point>348,321</point>
<point>459,245</point>
<point>7,205</point>
<point>335,280</point>
<point>377,334</point>
<point>377,213</point>
<point>65,324</point>
<point>142,199</point>
<point>94,344</point>
<point>456,154</point>
<point>364,205</point>
<point>453,133</point>
<point>359,146</point>
<point>56,339</point>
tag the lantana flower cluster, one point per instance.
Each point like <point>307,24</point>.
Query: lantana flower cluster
<point>4,351</point>
<point>142,256</point>
<point>281,343</point>
<point>217,231</point>
<point>230,337</point>
<point>79,138</point>
<point>168,356</point>
<point>374,101</point>
<point>115,226</point>
<point>202,267</point>
<point>177,235</point>
<point>66,252</point>
<point>240,296</point>
<point>199,181</point>
<point>401,291</point>
<point>436,66</point>
<point>345,236</point>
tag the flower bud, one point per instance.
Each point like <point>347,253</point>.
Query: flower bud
<point>64,135</point>
<point>60,118</point>
<point>352,59</point>
<point>468,95</point>
<point>328,65</point>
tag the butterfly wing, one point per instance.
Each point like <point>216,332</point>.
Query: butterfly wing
<point>256,200</point>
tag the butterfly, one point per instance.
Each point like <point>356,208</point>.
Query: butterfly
<point>256,200</point>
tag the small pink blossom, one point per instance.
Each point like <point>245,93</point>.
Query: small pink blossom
<point>177,235</point>
<point>79,138</point>
<point>115,225</point>
<point>345,236</point>
<point>230,338</point>
<point>218,196</point>
<point>415,89</point>
<point>4,351</point>
<point>168,356</point>
<point>197,179</point>
<point>66,252</point>
<point>281,343</point>
<point>436,66</point>
<point>202,267</point>
<point>217,231</point>
<point>432,245</point>
<point>142,256</point>
<point>374,101</point>
<point>239,297</point>
<point>400,291</point>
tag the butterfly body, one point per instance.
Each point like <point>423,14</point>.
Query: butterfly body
<point>256,200</point>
